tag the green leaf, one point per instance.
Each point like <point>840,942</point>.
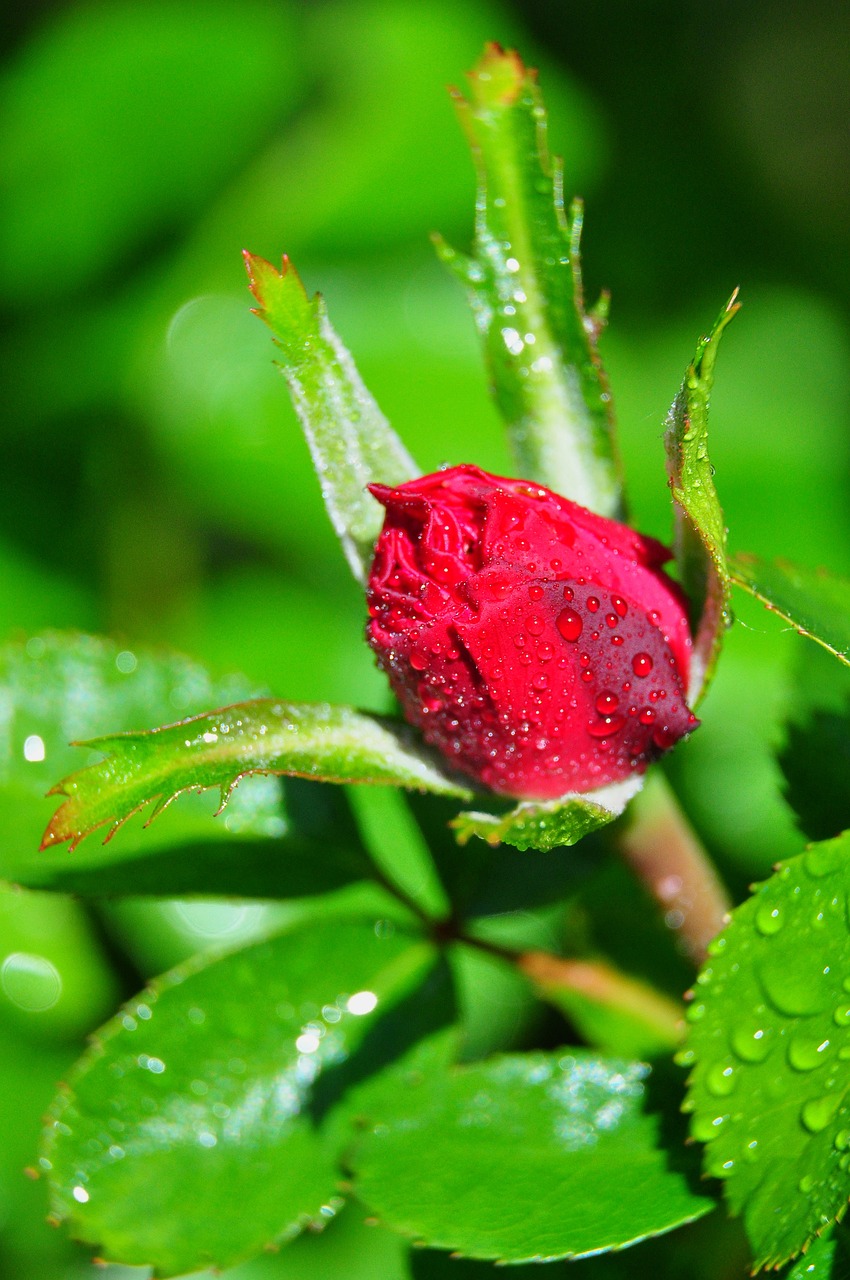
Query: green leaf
<point>55,687</point>
<point>770,1040</point>
<point>546,825</point>
<point>525,288</point>
<point>700,543</point>
<point>815,602</point>
<point>212,1090</point>
<point>311,740</point>
<point>521,1158</point>
<point>820,1262</point>
<point>815,756</point>
<point>351,442</point>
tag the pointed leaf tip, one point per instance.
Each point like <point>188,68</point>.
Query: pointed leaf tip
<point>498,76</point>
<point>318,741</point>
<point>351,442</point>
<point>700,529</point>
<point>550,387</point>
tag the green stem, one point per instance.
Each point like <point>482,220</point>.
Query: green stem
<point>597,982</point>
<point>663,850</point>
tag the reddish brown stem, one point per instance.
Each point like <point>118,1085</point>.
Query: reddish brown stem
<point>663,850</point>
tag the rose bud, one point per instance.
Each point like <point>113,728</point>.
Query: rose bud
<point>541,648</point>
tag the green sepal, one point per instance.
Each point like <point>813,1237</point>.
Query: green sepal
<point>700,530</point>
<point>524,284</point>
<point>546,825</point>
<point>351,442</point>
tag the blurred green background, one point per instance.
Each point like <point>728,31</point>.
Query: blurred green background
<point>154,483</point>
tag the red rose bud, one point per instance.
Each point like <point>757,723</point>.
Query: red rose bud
<point>541,648</point>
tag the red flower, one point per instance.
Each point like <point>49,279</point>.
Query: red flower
<point>541,648</point>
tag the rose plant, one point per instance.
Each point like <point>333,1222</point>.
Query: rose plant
<point>358,1064</point>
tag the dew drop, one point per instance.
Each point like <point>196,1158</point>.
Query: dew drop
<point>793,990</point>
<point>418,660</point>
<point>587,676</point>
<point>647,716</point>
<point>820,860</point>
<point>769,919</point>
<point>620,606</point>
<point>817,1112</point>
<point>841,1016</point>
<point>805,1184</point>
<point>592,604</point>
<point>535,626</point>
<point>535,591</point>
<point>569,624</point>
<point>721,1080</point>
<point>540,681</point>
<point>607,727</point>
<point>617,640</point>
<point>705,1128</point>
<point>641,664</point>
<point>805,1053</point>
<point>664,738</point>
<point>545,651</point>
<point>750,1046</point>
<point>568,594</point>
<point>841,1141</point>
<point>607,703</point>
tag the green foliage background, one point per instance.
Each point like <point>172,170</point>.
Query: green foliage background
<point>155,484</point>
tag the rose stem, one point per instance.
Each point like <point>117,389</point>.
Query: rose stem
<point>598,982</point>
<point>663,850</point>
<point>603,984</point>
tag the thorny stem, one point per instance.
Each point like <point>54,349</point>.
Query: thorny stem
<point>663,850</point>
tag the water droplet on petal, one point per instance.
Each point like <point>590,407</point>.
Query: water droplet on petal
<point>641,664</point>
<point>607,727</point>
<point>620,606</point>
<point>607,703</point>
<point>569,624</point>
